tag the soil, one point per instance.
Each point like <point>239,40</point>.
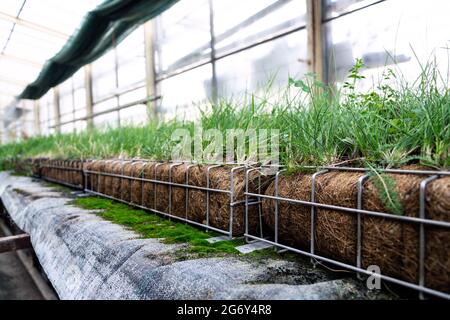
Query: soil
<point>137,196</point>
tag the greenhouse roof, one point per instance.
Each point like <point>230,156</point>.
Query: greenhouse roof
<point>44,26</point>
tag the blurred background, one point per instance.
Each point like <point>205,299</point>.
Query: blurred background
<point>199,50</point>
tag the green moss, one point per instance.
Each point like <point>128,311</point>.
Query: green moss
<point>149,225</point>
<point>60,188</point>
<point>19,174</point>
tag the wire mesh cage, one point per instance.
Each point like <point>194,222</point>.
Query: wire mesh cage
<point>337,215</point>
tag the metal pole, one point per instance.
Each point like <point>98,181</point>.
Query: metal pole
<point>422,239</point>
<point>359,206</point>
<point>57,109</point>
<point>37,117</point>
<point>89,96</point>
<point>150,69</point>
<point>314,210</point>
<point>315,44</point>
<point>214,84</point>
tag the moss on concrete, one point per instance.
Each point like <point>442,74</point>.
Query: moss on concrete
<point>59,188</point>
<point>149,225</point>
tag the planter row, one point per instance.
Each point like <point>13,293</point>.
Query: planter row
<point>67,172</point>
<point>413,247</point>
<point>211,196</point>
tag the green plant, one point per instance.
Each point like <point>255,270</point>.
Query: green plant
<point>391,125</point>
<point>385,186</point>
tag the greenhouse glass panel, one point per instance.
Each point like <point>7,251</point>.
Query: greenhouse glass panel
<point>181,31</point>
<point>105,105</point>
<point>66,98</point>
<point>104,87</point>
<point>131,60</point>
<point>255,68</point>
<point>5,99</point>
<point>104,82</point>
<point>398,34</point>
<point>240,23</point>
<point>5,28</point>
<point>131,73</point>
<point>133,96</point>
<point>132,46</point>
<point>43,114</point>
<point>67,117</point>
<point>10,7</point>
<point>46,113</point>
<point>79,98</point>
<point>66,87</point>
<point>44,27</point>
<point>51,117</point>
<point>65,105</point>
<point>68,18</point>
<point>135,115</point>
<point>107,120</point>
<point>179,93</point>
<point>79,79</point>
<point>336,8</point>
<point>27,120</point>
<point>10,89</point>
<point>25,38</point>
<point>67,128</point>
<point>80,113</point>
<point>11,67</point>
<point>80,126</point>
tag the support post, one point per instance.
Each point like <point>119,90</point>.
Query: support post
<point>37,118</point>
<point>57,109</point>
<point>14,243</point>
<point>89,96</point>
<point>315,41</point>
<point>150,70</point>
<point>214,84</point>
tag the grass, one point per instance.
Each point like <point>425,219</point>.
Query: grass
<point>152,226</point>
<point>394,124</point>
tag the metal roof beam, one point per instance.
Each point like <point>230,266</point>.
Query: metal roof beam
<point>33,26</point>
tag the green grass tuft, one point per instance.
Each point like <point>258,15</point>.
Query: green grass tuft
<point>385,186</point>
<point>393,124</point>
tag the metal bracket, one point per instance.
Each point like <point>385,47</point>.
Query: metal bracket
<point>15,243</point>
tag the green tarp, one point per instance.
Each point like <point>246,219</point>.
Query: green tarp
<point>102,28</point>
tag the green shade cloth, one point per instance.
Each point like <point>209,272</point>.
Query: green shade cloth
<point>102,29</point>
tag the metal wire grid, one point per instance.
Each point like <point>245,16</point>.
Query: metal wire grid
<point>252,199</point>
<point>61,169</point>
<point>89,188</point>
<point>257,198</point>
<point>88,176</point>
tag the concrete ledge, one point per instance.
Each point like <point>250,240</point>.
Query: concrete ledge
<point>86,257</point>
